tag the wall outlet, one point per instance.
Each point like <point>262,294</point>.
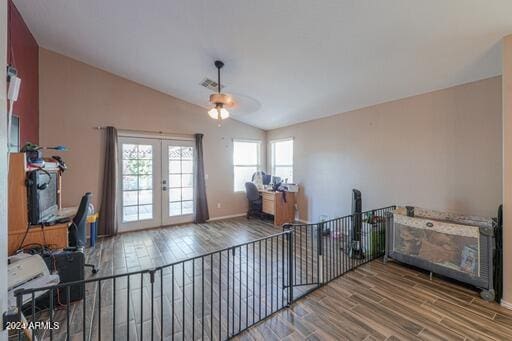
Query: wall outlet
<point>218,205</point>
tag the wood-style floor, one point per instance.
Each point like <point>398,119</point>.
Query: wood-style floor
<point>374,302</point>
<point>134,251</point>
<point>387,302</point>
<point>141,250</point>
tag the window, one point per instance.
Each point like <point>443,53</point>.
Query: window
<point>282,159</point>
<point>137,182</point>
<point>246,161</point>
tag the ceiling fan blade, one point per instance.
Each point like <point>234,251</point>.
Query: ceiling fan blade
<point>243,104</point>
<point>230,102</point>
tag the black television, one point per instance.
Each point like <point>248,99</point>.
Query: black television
<point>42,196</point>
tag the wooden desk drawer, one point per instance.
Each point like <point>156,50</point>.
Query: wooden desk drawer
<point>268,196</point>
<point>268,205</point>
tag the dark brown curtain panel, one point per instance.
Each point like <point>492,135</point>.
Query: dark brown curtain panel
<point>200,193</point>
<point>108,208</point>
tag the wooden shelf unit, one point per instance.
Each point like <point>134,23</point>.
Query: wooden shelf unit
<point>55,236</point>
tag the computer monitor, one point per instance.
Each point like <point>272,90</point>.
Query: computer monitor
<point>42,196</point>
<point>265,178</point>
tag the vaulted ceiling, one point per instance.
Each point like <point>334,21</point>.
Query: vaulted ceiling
<point>287,61</point>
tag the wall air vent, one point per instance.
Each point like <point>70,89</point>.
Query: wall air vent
<point>210,84</point>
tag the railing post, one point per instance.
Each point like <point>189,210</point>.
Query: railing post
<point>388,228</point>
<point>320,233</point>
<point>290,265</point>
<point>285,227</point>
<point>152,281</point>
<point>19,304</point>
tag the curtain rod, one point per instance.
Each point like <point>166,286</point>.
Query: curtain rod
<point>149,132</point>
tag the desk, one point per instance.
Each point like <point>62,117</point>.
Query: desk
<point>56,236</point>
<point>273,203</point>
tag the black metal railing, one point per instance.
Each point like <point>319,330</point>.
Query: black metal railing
<point>326,250</point>
<point>216,295</point>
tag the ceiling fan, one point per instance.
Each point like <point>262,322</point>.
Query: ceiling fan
<point>219,100</point>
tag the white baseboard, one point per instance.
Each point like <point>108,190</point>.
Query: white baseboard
<point>228,216</point>
<point>506,304</point>
<point>243,214</point>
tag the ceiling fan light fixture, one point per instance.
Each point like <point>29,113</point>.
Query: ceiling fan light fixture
<point>223,113</point>
<point>220,100</point>
<point>218,113</point>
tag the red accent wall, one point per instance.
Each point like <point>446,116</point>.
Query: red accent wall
<point>23,54</point>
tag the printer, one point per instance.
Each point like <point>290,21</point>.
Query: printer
<point>289,187</point>
<point>27,271</point>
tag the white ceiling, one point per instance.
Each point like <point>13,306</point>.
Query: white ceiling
<point>287,61</point>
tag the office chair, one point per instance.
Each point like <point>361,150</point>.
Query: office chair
<point>254,198</point>
<point>76,230</point>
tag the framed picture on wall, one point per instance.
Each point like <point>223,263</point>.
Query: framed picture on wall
<point>14,143</point>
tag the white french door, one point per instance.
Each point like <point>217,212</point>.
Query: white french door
<point>156,182</point>
<point>139,180</point>
<point>178,182</point>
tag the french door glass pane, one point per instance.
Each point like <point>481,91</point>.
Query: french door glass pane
<point>130,213</point>
<point>187,193</point>
<point>174,209</point>
<point>174,167</point>
<point>145,197</point>
<point>187,153</point>
<point>187,207</point>
<point>137,182</point>
<point>174,194</point>
<point>181,180</point>
<point>175,180</point>
<point>186,180</point>
<point>187,166</point>
<point>145,212</point>
<point>174,153</point>
<point>129,198</point>
<point>145,182</point>
<point>145,152</point>
<point>130,183</point>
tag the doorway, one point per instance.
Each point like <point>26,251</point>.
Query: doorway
<point>156,182</point>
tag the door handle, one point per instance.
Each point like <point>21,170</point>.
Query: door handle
<point>164,188</point>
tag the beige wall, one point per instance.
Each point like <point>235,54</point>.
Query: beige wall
<point>507,170</point>
<point>75,98</point>
<point>440,150</point>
